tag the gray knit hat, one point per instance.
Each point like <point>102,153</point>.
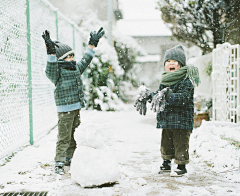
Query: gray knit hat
<point>176,53</point>
<point>63,50</point>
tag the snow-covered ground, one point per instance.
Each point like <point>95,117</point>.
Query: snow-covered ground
<point>213,167</point>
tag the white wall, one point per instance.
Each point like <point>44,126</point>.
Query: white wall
<point>149,74</point>
<point>205,87</point>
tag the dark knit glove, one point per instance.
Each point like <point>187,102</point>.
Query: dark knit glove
<point>168,93</point>
<point>159,100</point>
<point>141,101</point>
<point>94,37</point>
<point>50,45</point>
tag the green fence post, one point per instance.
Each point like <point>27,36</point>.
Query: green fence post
<point>73,36</point>
<point>56,12</point>
<point>29,73</point>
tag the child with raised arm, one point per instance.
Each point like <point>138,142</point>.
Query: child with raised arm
<point>65,73</point>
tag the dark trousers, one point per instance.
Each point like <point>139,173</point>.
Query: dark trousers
<point>175,145</point>
<point>66,144</point>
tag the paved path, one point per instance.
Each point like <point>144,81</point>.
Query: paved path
<point>135,140</point>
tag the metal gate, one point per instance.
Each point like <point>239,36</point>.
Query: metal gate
<point>225,77</point>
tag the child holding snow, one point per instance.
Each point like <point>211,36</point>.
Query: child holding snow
<point>174,105</point>
<point>65,74</point>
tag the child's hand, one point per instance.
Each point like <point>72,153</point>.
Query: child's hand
<point>160,99</point>
<point>168,93</point>
<point>94,37</point>
<point>141,101</point>
<point>50,45</point>
<point>158,102</point>
<point>141,106</point>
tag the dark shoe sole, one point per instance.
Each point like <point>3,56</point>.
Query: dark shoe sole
<point>164,171</point>
<point>178,173</point>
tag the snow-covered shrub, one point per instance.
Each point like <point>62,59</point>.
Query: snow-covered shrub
<point>110,66</point>
<point>104,75</point>
<point>104,72</point>
<point>127,50</point>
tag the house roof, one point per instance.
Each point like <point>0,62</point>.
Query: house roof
<point>148,58</point>
<point>143,28</point>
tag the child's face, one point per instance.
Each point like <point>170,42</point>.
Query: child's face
<point>172,65</point>
<point>70,58</point>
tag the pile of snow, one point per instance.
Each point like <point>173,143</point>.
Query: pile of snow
<point>217,144</point>
<point>93,162</point>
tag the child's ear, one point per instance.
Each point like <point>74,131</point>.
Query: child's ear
<point>180,64</point>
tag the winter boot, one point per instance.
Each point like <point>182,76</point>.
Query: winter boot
<point>59,168</point>
<point>165,167</point>
<point>68,162</point>
<point>180,171</point>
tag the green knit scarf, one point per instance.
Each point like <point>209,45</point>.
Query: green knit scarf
<point>171,78</point>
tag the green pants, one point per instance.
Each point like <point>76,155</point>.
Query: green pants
<point>175,145</point>
<point>66,145</point>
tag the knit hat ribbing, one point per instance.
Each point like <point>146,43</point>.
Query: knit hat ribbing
<point>63,50</point>
<point>176,53</point>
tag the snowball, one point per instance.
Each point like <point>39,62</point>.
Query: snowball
<point>93,163</point>
<point>90,138</point>
<point>142,89</point>
<point>94,167</point>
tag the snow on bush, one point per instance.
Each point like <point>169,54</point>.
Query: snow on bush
<point>106,66</point>
<point>104,73</point>
<point>127,51</point>
<point>125,41</point>
<point>217,145</point>
<point>93,162</point>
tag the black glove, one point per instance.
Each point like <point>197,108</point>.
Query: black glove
<point>141,101</point>
<point>168,94</point>
<point>94,37</point>
<point>50,45</point>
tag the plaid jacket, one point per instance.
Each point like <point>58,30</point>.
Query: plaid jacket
<point>69,85</point>
<point>180,114</point>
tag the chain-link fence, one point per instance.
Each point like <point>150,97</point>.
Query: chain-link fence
<point>27,107</point>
